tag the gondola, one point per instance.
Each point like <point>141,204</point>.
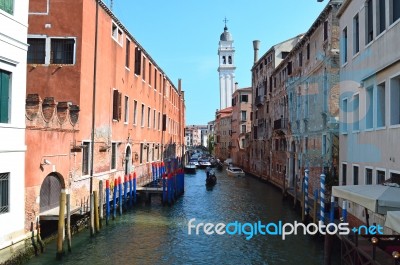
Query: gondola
<point>211,179</point>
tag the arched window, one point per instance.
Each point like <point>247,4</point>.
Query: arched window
<point>224,59</point>
<point>230,59</point>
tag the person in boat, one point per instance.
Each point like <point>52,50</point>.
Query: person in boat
<point>208,171</point>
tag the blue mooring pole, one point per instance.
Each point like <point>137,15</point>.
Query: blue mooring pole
<point>126,191</point>
<point>163,189</point>
<point>120,195</point>
<point>107,201</point>
<point>134,187</point>
<point>130,191</point>
<point>332,212</point>
<point>115,198</point>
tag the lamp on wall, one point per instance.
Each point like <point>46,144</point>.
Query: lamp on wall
<point>44,163</point>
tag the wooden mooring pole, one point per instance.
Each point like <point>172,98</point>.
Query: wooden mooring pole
<point>69,222</point>
<point>101,201</point>
<point>96,211</point>
<point>61,226</point>
<point>91,214</point>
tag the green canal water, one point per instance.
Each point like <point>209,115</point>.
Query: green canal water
<point>153,234</point>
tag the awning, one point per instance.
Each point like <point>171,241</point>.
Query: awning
<point>393,220</point>
<point>377,198</point>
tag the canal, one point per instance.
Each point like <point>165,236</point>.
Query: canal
<point>153,234</point>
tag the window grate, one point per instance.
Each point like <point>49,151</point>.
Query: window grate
<point>62,51</point>
<point>36,51</point>
<point>4,192</point>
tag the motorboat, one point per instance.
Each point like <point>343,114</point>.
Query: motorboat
<point>235,171</point>
<point>194,161</point>
<point>211,179</point>
<point>190,168</point>
<point>203,163</point>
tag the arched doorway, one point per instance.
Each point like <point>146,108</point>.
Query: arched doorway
<point>128,160</point>
<point>50,192</point>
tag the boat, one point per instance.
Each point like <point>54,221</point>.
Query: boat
<point>194,161</point>
<point>190,168</point>
<point>235,171</point>
<point>211,179</point>
<point>203,163</point>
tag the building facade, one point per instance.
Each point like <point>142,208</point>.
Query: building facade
<point>223,131</point>
<point>241,123</point>
<point>97,103</point>
<point>196,135</point>
<point>226,69</point>
<point>369,94</point>
<point>13,50</point>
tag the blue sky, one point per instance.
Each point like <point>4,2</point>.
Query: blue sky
<point>182,37</point>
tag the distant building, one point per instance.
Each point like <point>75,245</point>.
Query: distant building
<point>196,135</point>
<point>240,124</point>
<point>223,133</point>
<point>226,69</point>
<point>13,50</point>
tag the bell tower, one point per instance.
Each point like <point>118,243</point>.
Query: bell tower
<point>226,69</point>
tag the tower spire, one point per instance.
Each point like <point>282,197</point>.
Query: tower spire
<point>225,20</point>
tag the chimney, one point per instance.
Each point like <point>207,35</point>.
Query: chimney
<point>179,85</point>
<point>236,85</point>
<point>256,46</point>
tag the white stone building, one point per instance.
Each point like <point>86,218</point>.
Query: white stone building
<point>13,52</point>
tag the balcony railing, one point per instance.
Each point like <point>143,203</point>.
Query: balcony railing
<point>280,124</point>
<point>259,100</point>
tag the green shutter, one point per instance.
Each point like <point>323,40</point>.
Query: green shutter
<point>4,96</point>
<point>7,5</point>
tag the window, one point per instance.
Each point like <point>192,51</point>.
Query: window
<point>243,115</point>
<point>300,59</point>
<point>36,50</point>
<point>223,59</point>
<point>244,98</point>
<point>116,33</point>
<point>149,73</point>
<point>344,46</point>
<point>395,101</point>
<point>4,191</point>
<point>117,100</point>
<point>243,128</point>
<point>368,176</point>
<point>126,116</point>
<point>243,143</point>
<point>127,53</point>
<point>380,101</point>
<point>113,155</point>
<point>344,115</point>
<point>138,60</point>
<point>7,6</point>
<point>381,16</point>
<point>85,158</point>
<point>5,85</point>
<point>159,120</point>
<point>355,175</point>
<point>325,30</point>
<point>356,35</point>
<point>370,108</point>
<point>141,153</point>
<point>62,51</point>
<point>380,176</point>
<point>148,116</point>
<point>230,59</point>
<point>144,69</point>
<point>142,117</point>
<point>344,174</point>
<point>154,119</point>
<point>323,144</point>
<point>155,78</point>
<point>51,50</point>
<point>369,32</point>
<point>308,51</point>
<point>356,112</point>
<point>134,112</point>
<point>395,11</point>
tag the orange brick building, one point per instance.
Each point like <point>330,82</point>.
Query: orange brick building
<point>79,51</point>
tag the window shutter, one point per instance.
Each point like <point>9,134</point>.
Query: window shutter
<point>4,96</point>
<point>119,106</point>
<point>115,105</point>
<point>164,122</point>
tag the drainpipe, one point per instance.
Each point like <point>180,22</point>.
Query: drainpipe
<point>93,100</point>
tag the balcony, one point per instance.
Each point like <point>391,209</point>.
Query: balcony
<point>281,124</point>
<point>259,101</point>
